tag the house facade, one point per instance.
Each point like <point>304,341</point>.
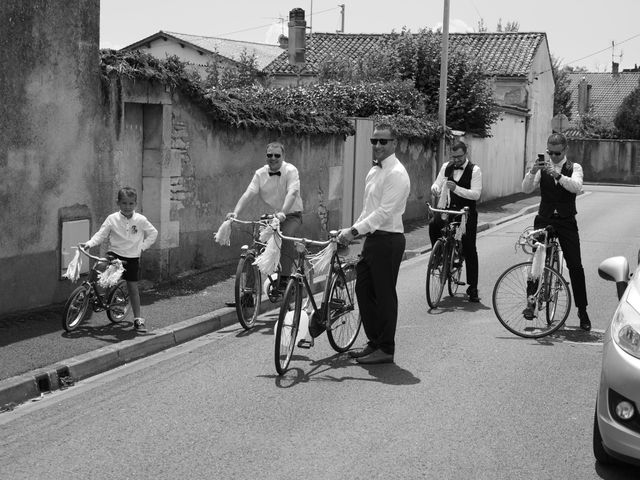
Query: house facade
<point>198,50</point>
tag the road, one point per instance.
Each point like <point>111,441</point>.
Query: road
<point>464,400</point>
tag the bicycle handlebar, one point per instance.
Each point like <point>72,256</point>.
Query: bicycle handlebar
<point>464,211</point>
<point>99,259</point>
<point>262,221</point>
<point>306,241</point>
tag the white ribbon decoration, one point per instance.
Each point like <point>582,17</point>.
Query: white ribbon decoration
<point>74,267</point>
<point>223,235</point>
<point>111,276</point>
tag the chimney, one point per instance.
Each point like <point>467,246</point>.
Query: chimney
<point>583,96</point>
<point>297,36</point>
<point>283,42</point>
<point>615,68</point>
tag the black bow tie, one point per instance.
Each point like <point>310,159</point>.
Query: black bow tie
<point>375,163</point>
<point>458,168</point>
<point>274,173</point>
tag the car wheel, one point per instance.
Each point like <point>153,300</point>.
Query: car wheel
<point>598,448</point>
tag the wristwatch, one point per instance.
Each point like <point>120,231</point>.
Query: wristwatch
<point>354,232</point>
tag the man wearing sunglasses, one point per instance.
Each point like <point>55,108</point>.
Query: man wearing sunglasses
<point>278,184</point>
<point>459,185</point>
<point>560,180</point>
<point>385,198</point>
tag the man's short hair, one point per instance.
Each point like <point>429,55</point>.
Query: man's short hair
<point>459,145</point>
<point>128,192</point>
<point>276,145</point>
<point>557,139</point>
<point>387,126</point>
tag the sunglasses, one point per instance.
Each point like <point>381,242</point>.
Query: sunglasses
<point>457,156</point>
<point>383,141</point>
<point>555,153</point>
<point>271,155</point>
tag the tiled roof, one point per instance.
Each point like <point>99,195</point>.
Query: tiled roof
<point>606,94</point>
<point>232,49</point>
<point>503,54</point>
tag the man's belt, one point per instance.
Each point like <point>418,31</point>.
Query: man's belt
<point>381,233</point>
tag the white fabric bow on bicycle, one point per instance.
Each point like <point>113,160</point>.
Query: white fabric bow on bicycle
<point>537,264</point>
<point>443,200</point>
<point>223,235</point>
<point>112,274</point>
<point>268,261</point>
<point>462,228</point>
<point>74,267</point>
<point>321,260</point>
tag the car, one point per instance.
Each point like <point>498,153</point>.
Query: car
<point>616,424</point>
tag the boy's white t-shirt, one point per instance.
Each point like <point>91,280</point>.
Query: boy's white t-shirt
<point>128,237</point>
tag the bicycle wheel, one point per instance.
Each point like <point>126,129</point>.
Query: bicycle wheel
<point>118,302</point>
<point>75,309</point>
<point>343,316</point>
<point>436,274</point>
<point>248,292</point>
<point>510,298</point>
<point>453,279</point>
<point>287,326</point>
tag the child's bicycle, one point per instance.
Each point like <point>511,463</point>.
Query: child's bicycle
<point>248,286</point>
<point>114,300</point>
<point>446,259</point>
<point>536,286</point>
<point>337,314</point>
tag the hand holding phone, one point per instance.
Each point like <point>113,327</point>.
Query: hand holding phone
<point>539,163</point>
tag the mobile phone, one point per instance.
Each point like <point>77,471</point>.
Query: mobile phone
<point>541,159</point>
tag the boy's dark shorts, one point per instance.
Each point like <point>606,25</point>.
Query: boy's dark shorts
<point>131,267</point>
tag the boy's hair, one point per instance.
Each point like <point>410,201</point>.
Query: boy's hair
<point>128,192</point>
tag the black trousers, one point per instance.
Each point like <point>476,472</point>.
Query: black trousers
<point>468,244</point>
<point>567,231</point>
<point>377,274</point>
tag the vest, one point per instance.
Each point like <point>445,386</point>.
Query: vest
<point>555,198</point>
<point>456,202</point>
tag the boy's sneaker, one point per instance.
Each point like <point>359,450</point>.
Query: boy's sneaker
<point>138,325</point>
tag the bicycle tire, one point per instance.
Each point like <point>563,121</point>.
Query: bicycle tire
<point>287,325</point>
<point>455,272</point>
<point>343,316</point>
<point>510,297</point>
<point>118,302</point>
<point>248,292</point>
<point>75,308</point>
<point>436,274</point>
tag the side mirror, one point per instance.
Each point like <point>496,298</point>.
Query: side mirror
<point>615,269</point>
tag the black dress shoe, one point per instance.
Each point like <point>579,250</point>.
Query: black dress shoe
<point>363,352</point>
<point>585,323</point>
<point>377,356</point>
<point>473,294</point>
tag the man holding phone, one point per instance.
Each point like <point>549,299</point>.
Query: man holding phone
<point>560,180</point>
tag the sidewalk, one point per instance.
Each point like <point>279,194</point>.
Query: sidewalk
<point>37,356</point>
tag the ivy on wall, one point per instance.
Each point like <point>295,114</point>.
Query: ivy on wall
<point>314,109</point>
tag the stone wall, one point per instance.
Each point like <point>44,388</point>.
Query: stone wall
<point>612,161</point>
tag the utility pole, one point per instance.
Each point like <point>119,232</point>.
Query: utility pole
<point>442,110</point>
<point>341,18</point>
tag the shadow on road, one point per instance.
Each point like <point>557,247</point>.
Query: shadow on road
<point>617,472</point>
<point>326,369</point>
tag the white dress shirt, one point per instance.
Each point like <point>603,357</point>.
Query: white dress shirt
<point>472,193</point>
<point>385,198</point>
<point>128,237</point>
<point>273,189</point>
<point>573,183</point>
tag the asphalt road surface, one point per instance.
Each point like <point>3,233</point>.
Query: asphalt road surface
<point>465,399</point>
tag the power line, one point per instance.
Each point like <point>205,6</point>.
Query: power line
<point>269,24</point>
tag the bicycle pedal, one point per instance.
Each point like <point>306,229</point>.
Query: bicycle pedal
<point>304,343</point>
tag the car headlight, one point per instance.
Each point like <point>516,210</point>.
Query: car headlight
<point>625,326</point>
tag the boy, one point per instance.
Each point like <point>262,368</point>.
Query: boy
<point>129,234</point>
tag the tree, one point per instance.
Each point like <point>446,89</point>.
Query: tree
<point>415,57</point>
<point>562,95</point>
<point>241,74</point>
<point>509,27</point>
<point>627,119</point>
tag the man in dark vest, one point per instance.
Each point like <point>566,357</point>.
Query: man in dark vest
<point>560,181</point>
<point>459,185</point>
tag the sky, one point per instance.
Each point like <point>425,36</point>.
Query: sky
<point>581,33</point>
